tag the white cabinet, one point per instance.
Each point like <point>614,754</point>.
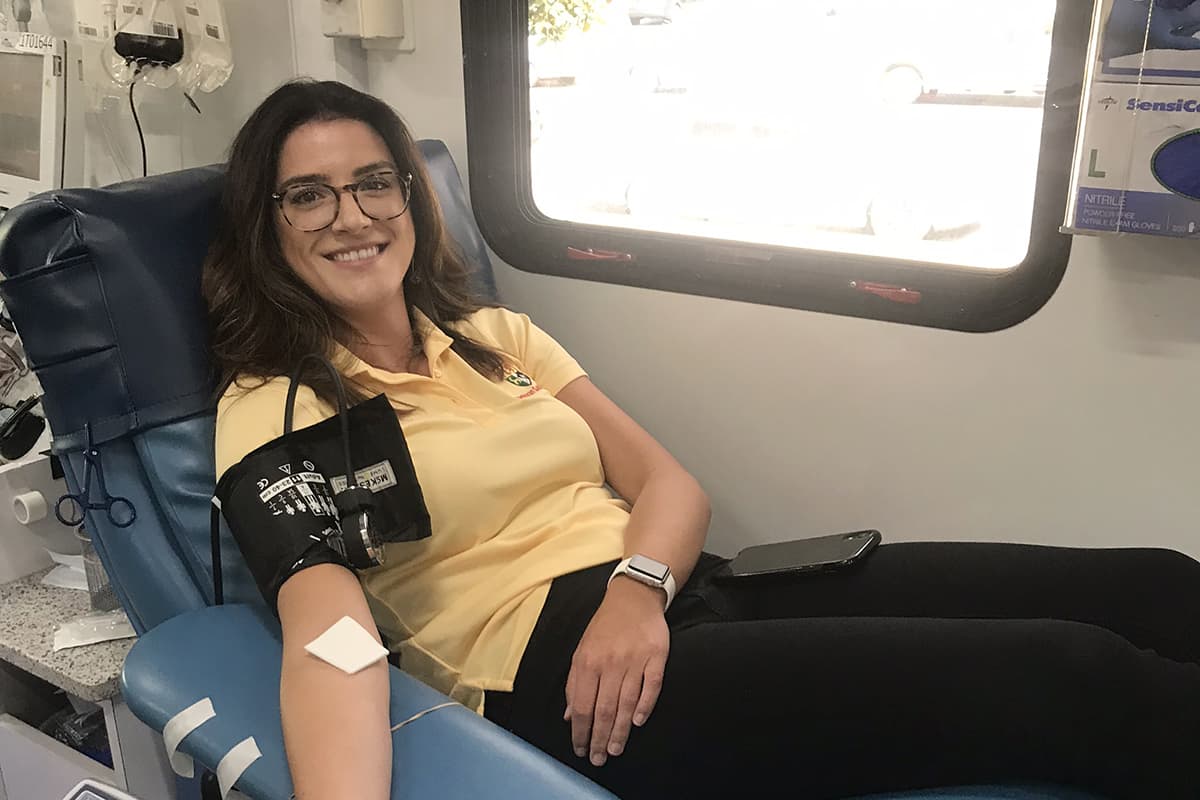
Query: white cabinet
<point>34,766</point>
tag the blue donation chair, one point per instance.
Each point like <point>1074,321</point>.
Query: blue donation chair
<point>104,286</point>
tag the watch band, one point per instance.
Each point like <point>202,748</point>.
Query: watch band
<point>668,585</point>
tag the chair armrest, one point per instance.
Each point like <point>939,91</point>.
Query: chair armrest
<point>231,654</point>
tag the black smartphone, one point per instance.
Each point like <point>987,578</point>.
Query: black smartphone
<point>802,555</point>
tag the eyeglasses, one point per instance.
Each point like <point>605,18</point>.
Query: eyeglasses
<point>312,207</point>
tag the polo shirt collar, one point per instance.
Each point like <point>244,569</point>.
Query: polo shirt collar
<point>435,343</point>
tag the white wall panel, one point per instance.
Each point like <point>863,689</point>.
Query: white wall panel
<point>1076,427</point>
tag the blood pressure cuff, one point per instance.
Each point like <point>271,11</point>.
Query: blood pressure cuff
<point>278,500</point>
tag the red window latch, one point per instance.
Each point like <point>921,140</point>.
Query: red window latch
<point>897,294</point>
<point>591,254</point>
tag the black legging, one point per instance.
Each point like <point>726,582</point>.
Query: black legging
<point>930,664</point>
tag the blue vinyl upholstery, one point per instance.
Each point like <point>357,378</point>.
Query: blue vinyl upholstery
<point>231,654</point>
<point>104,286</point>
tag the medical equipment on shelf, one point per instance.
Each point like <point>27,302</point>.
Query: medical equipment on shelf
<point>40,117</point>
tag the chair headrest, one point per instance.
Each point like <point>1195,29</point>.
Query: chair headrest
<point>104,288</point>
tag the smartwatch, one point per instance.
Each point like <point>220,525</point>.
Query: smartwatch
<point>644,569</point>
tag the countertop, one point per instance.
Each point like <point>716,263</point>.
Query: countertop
<point>29,615</point>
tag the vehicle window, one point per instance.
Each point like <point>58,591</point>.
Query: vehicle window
<point>877,127</point>
<point>792,152</point>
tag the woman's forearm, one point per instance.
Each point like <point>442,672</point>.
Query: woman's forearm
<point>669,511</point>
<point>669,521</point>
<point>335,726</point>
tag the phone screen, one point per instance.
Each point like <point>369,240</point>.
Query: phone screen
<point>804,554</point>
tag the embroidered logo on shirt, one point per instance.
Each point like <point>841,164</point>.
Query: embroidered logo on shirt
<point>522,381</point>
<point>518,378</point>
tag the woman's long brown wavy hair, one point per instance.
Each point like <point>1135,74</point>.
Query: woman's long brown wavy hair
<point>263,318</point>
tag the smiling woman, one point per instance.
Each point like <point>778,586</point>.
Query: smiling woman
<point>563,591</point>
<point>332,241</point>
<point>355,261</point>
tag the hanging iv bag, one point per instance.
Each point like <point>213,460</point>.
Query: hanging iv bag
<point>148,38</point>
<point>94,32</point>
<point>209,62</point>
<point>126,41</point>
<point>60,18</point>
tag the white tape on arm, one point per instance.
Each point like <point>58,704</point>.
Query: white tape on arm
<point>347,646</point>
<point>235,762</point>
<point>177,729</point>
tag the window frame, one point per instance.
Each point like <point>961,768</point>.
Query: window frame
<point>495,66</point>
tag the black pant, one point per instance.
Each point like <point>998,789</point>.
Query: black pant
<point>929,664</point>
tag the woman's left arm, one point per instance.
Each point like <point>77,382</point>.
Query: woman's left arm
<point>617,669</point>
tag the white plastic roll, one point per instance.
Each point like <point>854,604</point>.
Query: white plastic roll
<point>29,507</point>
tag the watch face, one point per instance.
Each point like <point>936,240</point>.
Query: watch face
<point>655,570</point>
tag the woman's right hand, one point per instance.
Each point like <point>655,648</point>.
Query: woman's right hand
<point>617,670</point>
<point>336,727</point>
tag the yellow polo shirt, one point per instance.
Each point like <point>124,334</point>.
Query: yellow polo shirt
<point>514,486</point>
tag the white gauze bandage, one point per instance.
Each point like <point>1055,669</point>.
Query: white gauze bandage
<point>347,646</point>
